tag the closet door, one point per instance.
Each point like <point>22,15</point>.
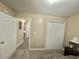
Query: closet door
<point>7,35</point>
<point>55,35</point>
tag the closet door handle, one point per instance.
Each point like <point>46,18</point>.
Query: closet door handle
<point>2,42</point>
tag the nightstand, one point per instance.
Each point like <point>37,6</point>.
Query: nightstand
<point>70,51</point>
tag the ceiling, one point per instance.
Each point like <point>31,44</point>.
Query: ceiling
<point>62,8</point>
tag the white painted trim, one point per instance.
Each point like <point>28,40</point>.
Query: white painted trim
<point>37,49</point>
<point>30,31</point>
<point>57,21</point>
<point>20,43</point>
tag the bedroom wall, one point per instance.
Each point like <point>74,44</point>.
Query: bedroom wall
<point>39,23</point>
<point>72,28</point>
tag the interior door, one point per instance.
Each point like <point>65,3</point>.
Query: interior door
<point>7,35</point>
<point>55,35</point>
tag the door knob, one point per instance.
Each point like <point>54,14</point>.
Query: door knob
<point>2,42</point>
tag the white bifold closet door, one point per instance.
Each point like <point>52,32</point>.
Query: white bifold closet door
<point>55,35</point>
<point>7,35</point>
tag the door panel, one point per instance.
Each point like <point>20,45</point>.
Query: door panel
<point>7,35</point>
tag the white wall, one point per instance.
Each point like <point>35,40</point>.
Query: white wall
<point>72,28</point>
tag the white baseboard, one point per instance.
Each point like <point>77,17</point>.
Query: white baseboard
<point>37,49</point>
<point>20,43</point>
<point>43,49</point>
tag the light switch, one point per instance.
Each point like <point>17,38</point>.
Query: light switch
<point>34,32</point>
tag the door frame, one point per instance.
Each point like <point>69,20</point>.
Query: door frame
<point>30,35</point>
<point>54,21</point>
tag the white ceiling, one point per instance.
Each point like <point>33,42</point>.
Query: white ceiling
<point>62,8</point>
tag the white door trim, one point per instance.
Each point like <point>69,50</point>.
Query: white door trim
<point>30,35</point>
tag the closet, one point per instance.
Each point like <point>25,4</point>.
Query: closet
<point>55,34</point>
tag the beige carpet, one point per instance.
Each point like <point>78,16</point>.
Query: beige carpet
<point>22,52</point>
<point>50,54</point>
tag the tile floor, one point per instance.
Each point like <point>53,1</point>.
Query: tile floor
<point>22,52</point>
